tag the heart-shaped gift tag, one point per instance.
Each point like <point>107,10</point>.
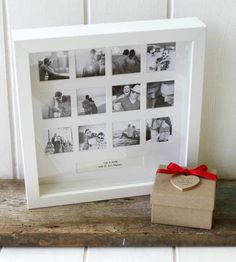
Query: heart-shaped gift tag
<point>183,182</point>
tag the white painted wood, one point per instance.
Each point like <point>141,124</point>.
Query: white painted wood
<point>5,137</point>
<point>100,11</point>
<point>43,13</point>
<point>129,254</point>
<point>31,14</point>
<point>218,131</point>
<point>205,254</point>
<point>41,254</point>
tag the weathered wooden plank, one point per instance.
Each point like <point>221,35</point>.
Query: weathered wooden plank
<point>121,222</point>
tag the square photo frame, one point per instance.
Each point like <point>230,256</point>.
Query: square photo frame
<point>102,105</point>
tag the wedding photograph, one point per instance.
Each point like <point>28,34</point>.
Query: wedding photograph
<point>126,133</point>
<point>126,97</point>
<point>53,65</point>
<point>55,104</point>
<point>161,57</point>
<point>158,129</point>
<point>90,62</point>
<point>91,100</point>
<point>92,137</point>
<point>125,59</point>
<point>160,94</point>
<point>58,140</point>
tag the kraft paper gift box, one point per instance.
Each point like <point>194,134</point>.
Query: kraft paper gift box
<point>190,208</point>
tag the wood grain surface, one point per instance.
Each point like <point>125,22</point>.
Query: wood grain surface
<point>121,222</point>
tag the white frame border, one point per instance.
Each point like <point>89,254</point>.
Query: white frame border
<point>75,37</point>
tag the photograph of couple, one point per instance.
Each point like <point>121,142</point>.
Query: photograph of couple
<point>58,140</point>
<point>160,94</point>
<point>126,97</point>
<point>158,129</point>
<point>125,60</point>
<point>90,62</point>
<point>55,105</point>
<point>53,66</point>
<point>126,133</point>
<point>92,137</point>
<point>161,57</point>
<point>91,100</point>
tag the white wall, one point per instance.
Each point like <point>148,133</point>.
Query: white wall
<point>5,137</point>
<point>102,11</point>
<point>125,254</point>
<point>218,136</point>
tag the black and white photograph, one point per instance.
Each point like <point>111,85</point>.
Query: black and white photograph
<point>126,133</point>
<point>160,94</point>
<point>91,100</point>
<point>125,59</point>
<point>53,66</point>
<point>58,140</point>
<point>90,62</point>
<point>161,57</point>
<point>158,129</point>
<point>92,137</point>
<point>126,97</point>
<point>55,104</point>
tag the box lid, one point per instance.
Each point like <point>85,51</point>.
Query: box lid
<point>200,197</point>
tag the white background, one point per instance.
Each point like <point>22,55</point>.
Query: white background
<point>218,137</point>
<point>5,137</point>
<point>161,254</point>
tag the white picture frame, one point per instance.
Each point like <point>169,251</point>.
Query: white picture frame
<point>120,168</point>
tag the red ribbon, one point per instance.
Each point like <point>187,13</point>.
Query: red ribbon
<point>201,171</point>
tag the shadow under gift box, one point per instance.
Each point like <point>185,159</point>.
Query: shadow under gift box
<point>191,208</point>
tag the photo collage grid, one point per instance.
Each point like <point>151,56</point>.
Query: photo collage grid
<point>91,63</point>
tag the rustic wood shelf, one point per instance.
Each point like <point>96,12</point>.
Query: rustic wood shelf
<point>121,222</point>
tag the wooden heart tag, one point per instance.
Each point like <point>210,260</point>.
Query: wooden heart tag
<point>183,182</point>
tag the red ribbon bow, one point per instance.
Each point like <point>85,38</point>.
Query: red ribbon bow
<point>201,171</point>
